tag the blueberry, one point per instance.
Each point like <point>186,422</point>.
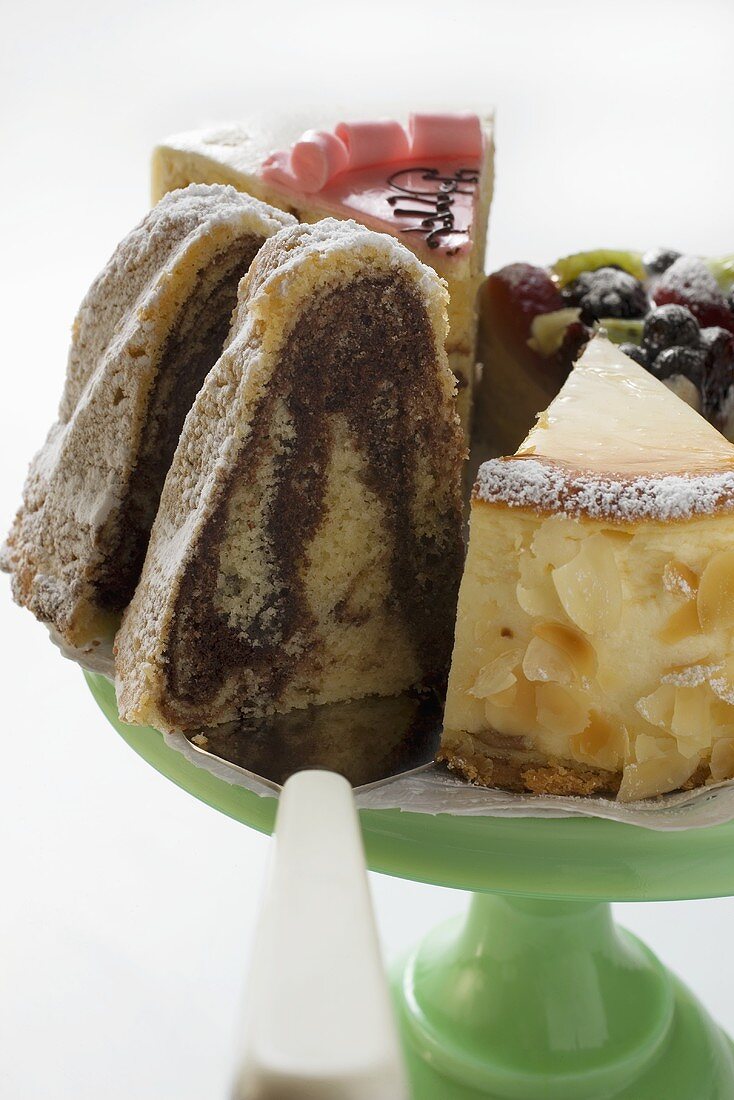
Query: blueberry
<point>658,260</point>
<point>669,326</point>
<point>718,343</point>
<point>677,360</point>
<point>607,292</point>
<point>634,351</point>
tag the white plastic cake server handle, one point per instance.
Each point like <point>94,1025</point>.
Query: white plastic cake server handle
<point>319,1022</point>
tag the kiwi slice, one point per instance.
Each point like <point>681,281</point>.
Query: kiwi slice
<point>548,330</point>
<point>570,267</point>
<point>722,268</point>
<point>622,331</point>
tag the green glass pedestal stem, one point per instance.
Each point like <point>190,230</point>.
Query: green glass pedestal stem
<point>527,999</point>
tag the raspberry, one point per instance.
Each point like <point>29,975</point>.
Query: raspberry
<point>531,289</point>
<point>513,296</point>
<point>688,282</point>
<point>575,338</point>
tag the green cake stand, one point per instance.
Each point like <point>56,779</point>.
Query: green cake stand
<point>535,994</point>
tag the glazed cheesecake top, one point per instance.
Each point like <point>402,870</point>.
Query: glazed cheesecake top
<point>420,181</point>
<point>613,416</point>
<point>615,442</point>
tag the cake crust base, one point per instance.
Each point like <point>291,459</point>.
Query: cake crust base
<point>512,767</point>
<point>500,761</point>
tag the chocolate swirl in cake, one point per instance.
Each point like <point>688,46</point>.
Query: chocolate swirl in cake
<point>191,348</point>
<point>379,329</point>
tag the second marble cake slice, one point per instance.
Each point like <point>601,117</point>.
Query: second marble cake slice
<point>308,544</point>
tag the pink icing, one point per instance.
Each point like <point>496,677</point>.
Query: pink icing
<point>458,135</point>
<point>422,181</point>
<point>317,157</point>
<point>404,200</point>
<point>370,143</point>
<point>277,168</point>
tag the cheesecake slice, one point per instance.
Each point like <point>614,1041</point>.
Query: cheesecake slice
<point>594,649</point>
<point>427,182</point>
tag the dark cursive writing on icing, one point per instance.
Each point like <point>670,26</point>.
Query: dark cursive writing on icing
<point>433,205</point>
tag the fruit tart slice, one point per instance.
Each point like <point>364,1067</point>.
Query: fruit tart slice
<point>673,314</point>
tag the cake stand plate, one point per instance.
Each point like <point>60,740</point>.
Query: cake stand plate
<point>535,993</point>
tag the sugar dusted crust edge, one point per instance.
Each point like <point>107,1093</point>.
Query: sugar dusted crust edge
<point>530,484</point>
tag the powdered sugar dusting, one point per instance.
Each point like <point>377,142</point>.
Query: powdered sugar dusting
<point>691,676</point>
<point>721,686</point>
<point>675,583</point>
<point>78,487</point>
<point>336,242</point>
<point>541,487</point>
<point>693,280</point>
<point>331,235</point>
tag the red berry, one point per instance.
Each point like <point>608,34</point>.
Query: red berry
<point>576,337</point>
<point>509,301</point>
<point>526,291</point>
<point>688,282</point>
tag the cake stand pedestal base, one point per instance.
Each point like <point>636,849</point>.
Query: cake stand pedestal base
<point>528,999</point>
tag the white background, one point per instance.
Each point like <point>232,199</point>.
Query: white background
<point>126,907</point>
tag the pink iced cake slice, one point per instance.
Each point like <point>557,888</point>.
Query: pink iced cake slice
<point>426,180</point>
